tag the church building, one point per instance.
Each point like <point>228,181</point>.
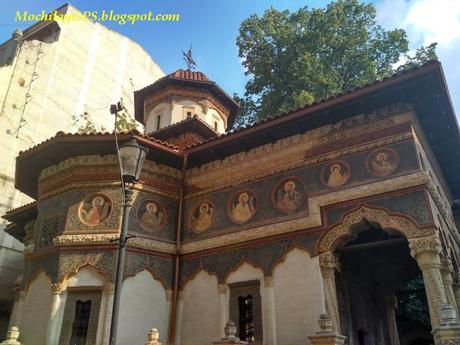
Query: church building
<point>304,228</point>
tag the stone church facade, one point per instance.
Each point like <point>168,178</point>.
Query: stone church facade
<point>329,209</point>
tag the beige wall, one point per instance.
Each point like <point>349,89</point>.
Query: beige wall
<point>178,113</point>
<point>298,296</point>
<point>143,305</point>
<point>200,323</point>
<point>35,311</point>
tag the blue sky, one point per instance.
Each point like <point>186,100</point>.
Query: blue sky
<point>211,26</point>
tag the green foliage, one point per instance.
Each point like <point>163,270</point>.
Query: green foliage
<point>422,55</point>
<point>85,123</point>
<point>296,58</point>
<point>125,122</point>
<point>412,306</point>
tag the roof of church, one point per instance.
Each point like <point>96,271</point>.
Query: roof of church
<point>191,124</point>
<point>186,78</point>
<point>424,88</point>
<point>187,74</point>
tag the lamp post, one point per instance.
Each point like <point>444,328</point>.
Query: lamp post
<point>131,157</point>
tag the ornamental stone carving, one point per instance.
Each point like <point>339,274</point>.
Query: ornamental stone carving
<point>386,221</point>
<point>426,251</point>
<point>425,244</point>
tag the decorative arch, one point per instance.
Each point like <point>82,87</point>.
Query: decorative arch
<point>386,220</point>
<point>74,272</point>
<point>25,285</point>
<point>191,277</point>
<point>154,275</point>
<point>285,254</point>
<point>237,266</point>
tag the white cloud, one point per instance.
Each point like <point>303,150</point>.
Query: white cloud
<point>434,21</point>
<point>425,22</point>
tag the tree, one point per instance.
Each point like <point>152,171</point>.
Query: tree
<point>296,58</point>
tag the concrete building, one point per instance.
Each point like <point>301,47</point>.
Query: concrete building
<point>330,209</point>
<point>50,74</point>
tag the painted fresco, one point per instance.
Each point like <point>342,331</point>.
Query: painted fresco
<point>275,199</point>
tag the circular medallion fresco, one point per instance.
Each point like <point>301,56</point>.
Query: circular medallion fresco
<point>335,174</point>
<point>382,162</point>
<point>151,215</point>
<point>202,217</point>
<point>95,209</point>
<point>242,206</point>
<point>288,195</point>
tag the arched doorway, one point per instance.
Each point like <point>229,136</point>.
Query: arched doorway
<point>375,270</point>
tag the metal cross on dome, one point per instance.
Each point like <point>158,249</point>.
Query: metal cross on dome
<point>188,58</point>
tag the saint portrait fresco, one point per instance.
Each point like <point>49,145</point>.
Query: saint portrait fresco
<point>382,162</point>
<point>335,174</point>
<point>151,215</point>
<point>242,206</point>
<point>202,217</point>
<point>288,196</point>
<point>95,209</point>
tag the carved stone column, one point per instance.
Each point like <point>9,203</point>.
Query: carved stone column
<point>390,304</point>
<point>53,331</point>
<point>167,313</point>
<point>179,317</point>
<point>426,251</point>
<point>446,272</point>
<point>457,290</point>
<point>16,313</point>
<point>110,291</point>
<point>326,335</point>
<point>448,332</point>
<point>271,316</point>
<point>329,265</point>
<point>223,314</point>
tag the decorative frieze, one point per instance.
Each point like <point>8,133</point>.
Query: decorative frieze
<point>111,239</point>
<point>380,216</point>
<point>288,153</point>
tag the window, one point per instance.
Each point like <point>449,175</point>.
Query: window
<point>246,311</point>
<point>189,112</point>
<point>80,323</point>
<point>215,125</point>
<point>158,121</point>
<point>81,315</point>
<point>246,318</point>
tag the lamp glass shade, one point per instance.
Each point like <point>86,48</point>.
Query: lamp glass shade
<point>132,157</point>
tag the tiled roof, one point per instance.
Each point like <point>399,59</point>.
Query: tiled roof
<point>30,205</point>
<point>318,102</point>
<point>188,74</point>
<point>101,134</point>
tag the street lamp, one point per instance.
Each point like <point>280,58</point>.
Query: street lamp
<point>131,157</point>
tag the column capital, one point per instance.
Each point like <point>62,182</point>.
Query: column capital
<point>110,287</point>
<point>19,295</point>
<point>268,281</point>
<point>446,264</point>
<point>169,294</point>
<point>222,289</point>
<point>328,260</point>
<point>425,244</point>
<point>180,295</point>
<point>57,288</point>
